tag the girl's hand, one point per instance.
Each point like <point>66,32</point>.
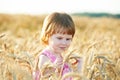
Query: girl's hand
<point>58,65</point>
<point>58,62</point>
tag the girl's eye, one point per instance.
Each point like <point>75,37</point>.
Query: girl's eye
<point>68,39</point>
<point>59,38</point>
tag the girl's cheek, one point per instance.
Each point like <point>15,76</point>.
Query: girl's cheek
<point>69,42</point>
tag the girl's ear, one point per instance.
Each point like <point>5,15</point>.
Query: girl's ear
<point>48,38</point>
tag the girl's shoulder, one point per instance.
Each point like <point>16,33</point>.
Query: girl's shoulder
<point>43,56</point>
<point>45,53</point>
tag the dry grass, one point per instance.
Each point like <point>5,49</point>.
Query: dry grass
<point>96,42</point>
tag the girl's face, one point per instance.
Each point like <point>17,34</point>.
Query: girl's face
<point>58,42</point>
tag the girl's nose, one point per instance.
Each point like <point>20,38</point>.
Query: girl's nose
<point>64,42</point>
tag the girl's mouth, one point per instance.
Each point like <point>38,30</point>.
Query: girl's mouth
<point>63,48</point>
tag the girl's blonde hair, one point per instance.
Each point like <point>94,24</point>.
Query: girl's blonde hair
<point>57,23</point>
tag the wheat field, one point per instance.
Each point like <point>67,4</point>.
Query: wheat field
<point>96,41</point>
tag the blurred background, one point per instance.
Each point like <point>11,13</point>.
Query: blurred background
<point>47,6</point>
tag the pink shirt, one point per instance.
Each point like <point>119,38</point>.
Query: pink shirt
<point>52,58</point>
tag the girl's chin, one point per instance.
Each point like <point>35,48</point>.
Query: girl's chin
<point>61,51</point>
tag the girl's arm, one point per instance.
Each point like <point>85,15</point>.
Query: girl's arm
<point>45,70</point>
<point>42,60</point>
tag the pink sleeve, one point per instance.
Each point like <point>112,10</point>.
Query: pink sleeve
<point>66,69</point>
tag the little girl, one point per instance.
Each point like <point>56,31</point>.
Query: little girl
<point>57,33</point>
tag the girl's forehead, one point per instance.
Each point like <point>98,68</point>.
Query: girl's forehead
<point>62,35</point>
<point>63,30</point>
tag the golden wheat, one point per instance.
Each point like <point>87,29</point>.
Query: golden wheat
<point>96,44</point>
